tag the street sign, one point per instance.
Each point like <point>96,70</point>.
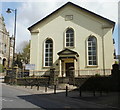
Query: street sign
<point>30,66</point>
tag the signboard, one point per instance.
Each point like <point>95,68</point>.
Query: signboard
<point>30,66</point>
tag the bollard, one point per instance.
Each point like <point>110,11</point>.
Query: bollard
<point>66,91</point>
<point>38,87</point>
<point>45,88</point>
<point>80,92</point>
<point>31,86</point>
<point>54,89</point>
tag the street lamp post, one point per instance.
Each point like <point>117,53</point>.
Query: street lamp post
<point>9,10</point>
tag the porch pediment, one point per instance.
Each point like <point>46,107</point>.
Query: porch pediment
<point>67,52</point>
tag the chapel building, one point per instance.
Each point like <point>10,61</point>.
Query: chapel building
<point>74,37</point>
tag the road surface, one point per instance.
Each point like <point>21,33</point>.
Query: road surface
<point>13,97</point>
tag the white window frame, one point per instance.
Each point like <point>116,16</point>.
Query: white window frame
<point>94,60</point>
<point>48,50</point>
<point>69,38</point>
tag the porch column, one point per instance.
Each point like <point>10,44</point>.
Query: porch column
<point>60,73</point>
<point>75,72</point>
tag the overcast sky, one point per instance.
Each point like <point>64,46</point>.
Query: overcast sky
<point>31,11</point>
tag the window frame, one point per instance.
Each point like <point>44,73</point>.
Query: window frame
<point>48,53</point>
<point>92,53</point>
<point>69,38</point>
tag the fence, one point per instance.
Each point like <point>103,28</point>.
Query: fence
<point>52,75</point>
<point>93,72</point>
<point>77,73</point>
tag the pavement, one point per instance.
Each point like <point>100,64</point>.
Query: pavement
<point>111,99</point>
<point>19,97</point>
<point>107,100</point>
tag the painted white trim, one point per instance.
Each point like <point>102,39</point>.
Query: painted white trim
<point>87,62</point>
<point>70,47</point>
<point>44,53</point>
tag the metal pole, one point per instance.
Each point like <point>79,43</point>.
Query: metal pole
<point>9,52</point>
<point>15,11</point>
<point>14,38</point>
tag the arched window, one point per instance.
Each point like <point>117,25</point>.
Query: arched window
<point>92,50</point>
<point>5,48</point>
<point>69,37</point>
<point>48,59</point>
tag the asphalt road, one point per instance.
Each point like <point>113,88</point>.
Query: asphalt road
<point>13,97</point>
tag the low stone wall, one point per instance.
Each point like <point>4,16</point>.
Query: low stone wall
<point>33,81</point>
<point>27,81</point>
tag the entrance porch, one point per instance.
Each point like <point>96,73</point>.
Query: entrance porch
<point>67,59</point>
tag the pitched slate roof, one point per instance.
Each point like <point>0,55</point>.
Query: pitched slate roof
<point>70,3</point>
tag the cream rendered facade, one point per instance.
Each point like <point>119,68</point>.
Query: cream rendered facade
<point>84,24</point>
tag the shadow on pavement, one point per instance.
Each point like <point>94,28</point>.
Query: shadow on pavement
<point>45,100</point>
<point>110,99</point>
<point>59,100</point>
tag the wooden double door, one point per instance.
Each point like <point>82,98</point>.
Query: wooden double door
<point>67,66</point>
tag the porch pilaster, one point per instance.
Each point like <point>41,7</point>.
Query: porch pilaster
<point>75,72</point>
<point>60,66</point>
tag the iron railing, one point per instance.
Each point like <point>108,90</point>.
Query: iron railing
<point>77,73</point>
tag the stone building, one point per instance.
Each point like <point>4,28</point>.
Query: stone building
<point>6,47</point>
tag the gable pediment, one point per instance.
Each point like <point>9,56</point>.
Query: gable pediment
<point>67,52</point>
<point>98,17</point>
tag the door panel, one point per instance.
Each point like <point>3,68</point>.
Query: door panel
<point>67,66</point>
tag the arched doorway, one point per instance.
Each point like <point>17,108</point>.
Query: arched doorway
<point>4,62</point>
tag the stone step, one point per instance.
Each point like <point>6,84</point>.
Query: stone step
<point>63,86</point>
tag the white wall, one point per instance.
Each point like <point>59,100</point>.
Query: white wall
<point>84,25</point>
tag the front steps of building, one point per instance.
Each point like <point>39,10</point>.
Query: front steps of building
<point>71,83</point>
<point>63,86</point>
<point>63,82</point>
